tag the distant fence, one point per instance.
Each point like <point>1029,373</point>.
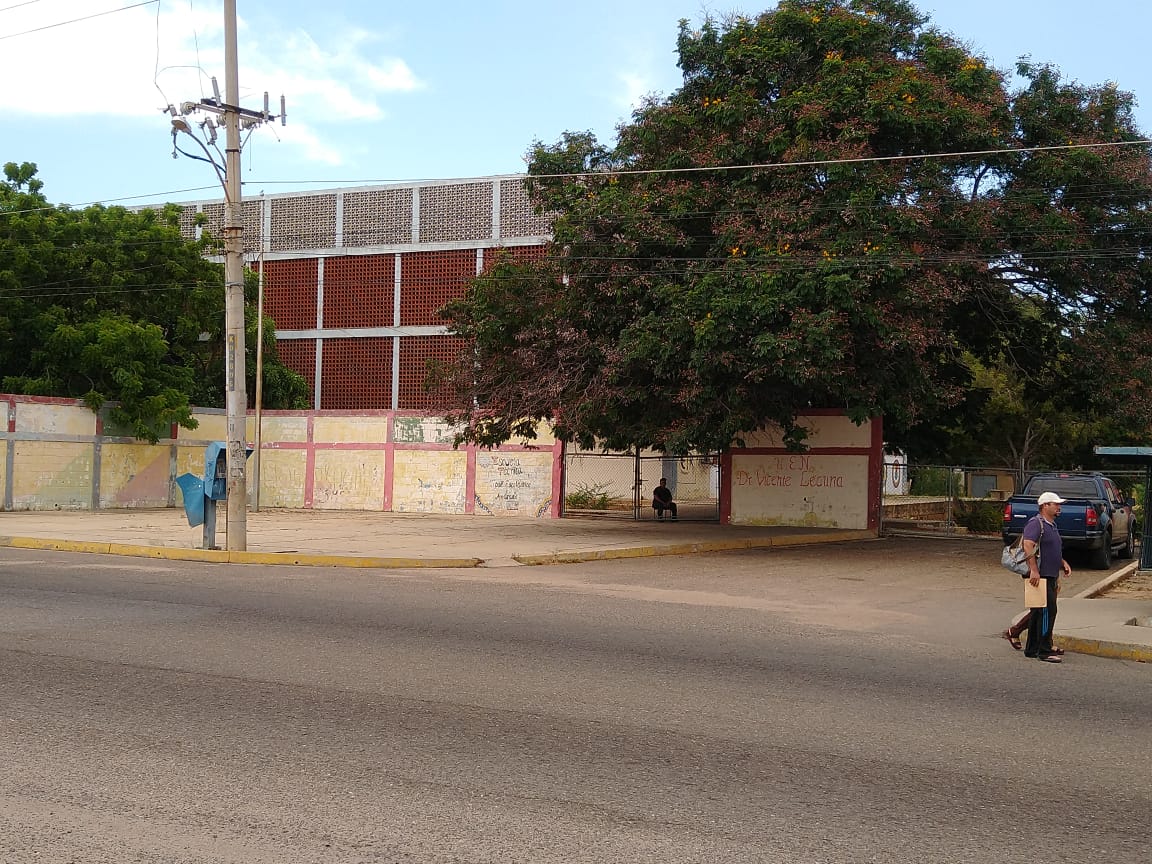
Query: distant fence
<point>933,493</point>
<point>620,484</point>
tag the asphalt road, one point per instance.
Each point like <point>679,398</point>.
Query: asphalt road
<point>837,704</point>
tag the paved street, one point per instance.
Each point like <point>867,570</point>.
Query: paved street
<point>849,703</point>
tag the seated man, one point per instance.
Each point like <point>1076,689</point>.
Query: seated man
<point>662,500</point>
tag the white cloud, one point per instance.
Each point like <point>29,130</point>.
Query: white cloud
<point>130,64</point>
<point>635,87</point>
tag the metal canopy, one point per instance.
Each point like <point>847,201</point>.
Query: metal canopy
<point>1126,454</point>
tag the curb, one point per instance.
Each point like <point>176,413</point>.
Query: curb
<point>221,556</point>
<point>692,548</point>
<point>1109,581</point>
<point>1104,648</point>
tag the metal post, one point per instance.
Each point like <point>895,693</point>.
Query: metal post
<point>1146,542</point>
<point>259,383</point>
<point>209,523</point>
<point>636,492</point>
<point>235,387</point>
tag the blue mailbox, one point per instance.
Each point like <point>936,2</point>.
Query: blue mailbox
<point>202,493</point>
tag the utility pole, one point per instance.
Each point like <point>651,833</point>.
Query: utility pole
<point>234,364</point>
<point>234,330</point>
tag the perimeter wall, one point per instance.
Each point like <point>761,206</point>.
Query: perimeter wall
<point>59,455</point>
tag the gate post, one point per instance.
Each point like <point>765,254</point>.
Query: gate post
<point>636,487</point>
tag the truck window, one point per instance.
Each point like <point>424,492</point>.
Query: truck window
<point>1065,487</point>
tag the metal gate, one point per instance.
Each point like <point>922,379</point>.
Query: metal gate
<point>619,485</point>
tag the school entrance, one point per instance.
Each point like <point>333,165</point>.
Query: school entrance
<point>619,485</point>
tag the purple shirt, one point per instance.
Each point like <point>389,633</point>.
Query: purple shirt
<point>1051,547</point>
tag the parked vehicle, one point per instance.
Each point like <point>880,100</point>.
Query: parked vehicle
<point>1095,516</point>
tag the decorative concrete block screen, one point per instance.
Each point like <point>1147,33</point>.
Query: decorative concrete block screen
<point>56,454</point>
<point>376,264</point>
<point>835,484</point>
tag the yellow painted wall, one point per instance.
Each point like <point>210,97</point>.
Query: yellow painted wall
<point>422,430</point>
<point>190,460</point>
<point>52,474</point>
<point>429,481</point>
<point>349,480</point>
<point>803,489</point>
<point>134,475</point>
<point>513,483</point>
<point>342,430</point>
<point>213,427</point>
<point>834,431</point>
<point>36,418</point>
<point>294,429</point>
<point>282,475</point>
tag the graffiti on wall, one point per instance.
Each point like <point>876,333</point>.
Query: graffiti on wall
<point>514,484</point>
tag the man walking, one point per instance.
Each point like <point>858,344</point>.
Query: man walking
<point>1045,550</point>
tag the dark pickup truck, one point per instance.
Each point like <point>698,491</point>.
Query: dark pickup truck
<point>1095,516</point>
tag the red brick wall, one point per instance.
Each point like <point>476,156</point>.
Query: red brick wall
<point>290,293</point>
<point>356,374</point>
<point>359,291</point>
<point>415,353</point>
<point>428,280</point>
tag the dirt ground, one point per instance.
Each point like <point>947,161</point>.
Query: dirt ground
<point>1138,586</point>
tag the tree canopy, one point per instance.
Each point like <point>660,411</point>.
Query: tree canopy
<point>782,233</point>
<point>108,304</point>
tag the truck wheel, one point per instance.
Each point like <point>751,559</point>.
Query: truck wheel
<point>1128,549</point>
<point>1102,558</point>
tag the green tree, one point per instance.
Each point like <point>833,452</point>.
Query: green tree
<point>679,310</point>
<point>1064,365</point>
<point>681,304</point>
<point>108,304</point>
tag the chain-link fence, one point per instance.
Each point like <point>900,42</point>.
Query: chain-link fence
<point>621,485</point>
<point>968,496</point>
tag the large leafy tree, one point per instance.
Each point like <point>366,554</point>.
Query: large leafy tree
<point>684,302</point>
<point>107,304</point>
<point>681,309</point>
<point>1067,364</point>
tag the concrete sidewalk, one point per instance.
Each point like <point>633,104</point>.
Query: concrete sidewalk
<point>399,540</point>
<point>359,539</point>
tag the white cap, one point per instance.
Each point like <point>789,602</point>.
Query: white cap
<point>1049,498</point>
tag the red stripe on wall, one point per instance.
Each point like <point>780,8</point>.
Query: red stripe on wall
<point>470,481</point>
<point>557,478</point>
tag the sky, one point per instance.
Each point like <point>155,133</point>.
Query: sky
<point>382,91</point>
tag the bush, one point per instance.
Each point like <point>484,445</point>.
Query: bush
<point>930,481</point>
<point>980,517</point>
<point>588,497</point>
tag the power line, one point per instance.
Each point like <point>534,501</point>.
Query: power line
<point>75,20</point>
<point>18,5</point>
<point>49,207</point>
<point>811,163</point>
<point>606,174</point>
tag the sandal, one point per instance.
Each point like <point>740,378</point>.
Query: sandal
<point>1050,658</point>
<point>1014,641</point>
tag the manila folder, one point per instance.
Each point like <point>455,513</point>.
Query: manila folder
<point>1035,597</point>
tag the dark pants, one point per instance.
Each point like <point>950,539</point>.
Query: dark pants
<point>661,506</point>
<point>1040,624</point>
